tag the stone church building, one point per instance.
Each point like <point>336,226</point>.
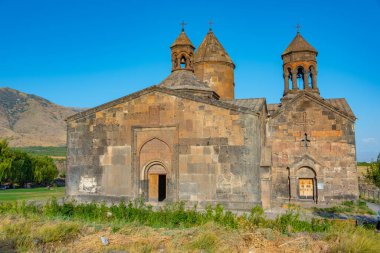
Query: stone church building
<point>189,139</point>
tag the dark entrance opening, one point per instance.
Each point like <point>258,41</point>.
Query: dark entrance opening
<point>161,187</point>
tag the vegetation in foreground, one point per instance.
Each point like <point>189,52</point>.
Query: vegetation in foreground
<point>373,174</point>
<point>33,194</point>
<point>138,228</point>
<point>358,207</point>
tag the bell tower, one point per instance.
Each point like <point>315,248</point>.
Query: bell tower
<point>182,51</point>
<point>299,67</point>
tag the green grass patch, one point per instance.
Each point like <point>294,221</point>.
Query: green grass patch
<point>346,207</point>
<point>44,151</point>
<point>42,193</point>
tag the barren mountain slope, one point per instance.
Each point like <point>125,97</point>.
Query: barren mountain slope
<point>29,120</point>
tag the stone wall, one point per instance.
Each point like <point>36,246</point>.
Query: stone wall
<point>327,155</point>
<point>219,76</point>
<point>210,153</point>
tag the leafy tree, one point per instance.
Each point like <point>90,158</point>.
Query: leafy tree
<point>5,161</point>
<point>22,168</point>
<point>373,173</point>
<point>44,169</point>
<point>19,167</point>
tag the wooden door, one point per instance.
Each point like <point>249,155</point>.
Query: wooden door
<point>306,188</point>
<point>153,187</point>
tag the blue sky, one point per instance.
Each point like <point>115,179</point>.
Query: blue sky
<point>86,52</point>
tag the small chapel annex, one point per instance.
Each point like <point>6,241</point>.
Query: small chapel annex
<point>189,139</point>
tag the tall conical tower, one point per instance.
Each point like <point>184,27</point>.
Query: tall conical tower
<point>182,51</point>
<point>299,67</point>
<point>214,66</point>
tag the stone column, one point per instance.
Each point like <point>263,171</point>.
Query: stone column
<point>314,80</point>
<point>294,79</point>
<point>293,187</point>
<point>286,83</point>
<point>306,80</point>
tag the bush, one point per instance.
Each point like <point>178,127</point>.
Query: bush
<point>373,173</point>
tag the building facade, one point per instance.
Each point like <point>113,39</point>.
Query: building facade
<point>189,139</point>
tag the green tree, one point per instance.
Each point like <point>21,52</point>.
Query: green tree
<point>22,168</point>
<point>5,162</point>
<point>373,173</point>
<point>44,169</point>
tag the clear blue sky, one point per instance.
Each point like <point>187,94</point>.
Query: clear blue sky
<point>83,53</point>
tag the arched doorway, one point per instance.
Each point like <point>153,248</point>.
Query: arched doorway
<point>157,181</point>
<point>307,182</point>
<point>155,161</point>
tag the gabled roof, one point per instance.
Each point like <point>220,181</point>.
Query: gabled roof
<point>182,40</point>
<point>339,106</point>
<point>211,50</point>
<point>172,92</point>
<point>254,104</point>
<point>299,44</point>
<point>184,79</point>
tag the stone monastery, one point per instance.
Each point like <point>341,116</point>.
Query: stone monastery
<point>189,139</point>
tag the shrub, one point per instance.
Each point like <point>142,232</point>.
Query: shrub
<point>57,231</point>
<point>373,173</point>
<point>348,238</point>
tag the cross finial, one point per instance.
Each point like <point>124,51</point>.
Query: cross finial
<point>210,23</point>
<point>183,25</point>
<point>298,27</point>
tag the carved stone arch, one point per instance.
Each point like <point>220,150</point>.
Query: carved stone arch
<point>306,171</point>
<point>150,165</point>
<point>154,154</point>
<point>150,139</point>
<point>307,161</point>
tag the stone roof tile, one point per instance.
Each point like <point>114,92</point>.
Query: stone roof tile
<point>211,50</point>
<point>254,104</point>
<point>184,79</point>
<point>299,44</point>
<point>341,104</point>
<point>182,40</point>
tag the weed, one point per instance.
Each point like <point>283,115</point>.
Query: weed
<point>348,238</point>
<point>57,231</point>
<point>206,241</point>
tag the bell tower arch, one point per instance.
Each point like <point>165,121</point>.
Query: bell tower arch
<point>299,67</point>
<point>182,51</point>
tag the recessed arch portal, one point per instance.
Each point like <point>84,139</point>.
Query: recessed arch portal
<point>307,181</point>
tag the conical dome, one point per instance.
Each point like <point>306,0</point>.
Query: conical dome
<point>182,40</point>
<point>299,44</point>
<point>211,50</point>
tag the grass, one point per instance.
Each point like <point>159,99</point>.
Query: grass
<point>136,227</point>
<point>358,207</point>
<point>38,194</point>
<point>48,151</point>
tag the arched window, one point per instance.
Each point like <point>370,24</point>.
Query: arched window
<point>300,79</point>
<point>183,62</point>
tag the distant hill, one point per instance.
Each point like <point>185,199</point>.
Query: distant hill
<point>29,120</point>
